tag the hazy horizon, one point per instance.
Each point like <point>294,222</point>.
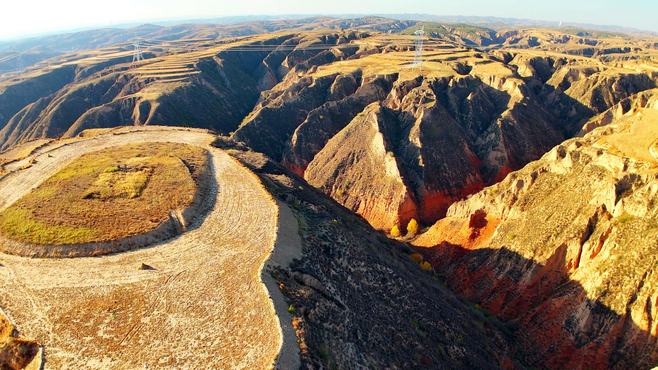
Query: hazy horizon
<point>38,17</point>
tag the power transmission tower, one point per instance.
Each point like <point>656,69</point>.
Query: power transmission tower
<point>418,57</point>
<point>137,53</point>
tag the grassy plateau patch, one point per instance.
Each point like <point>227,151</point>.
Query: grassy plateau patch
<point>107,195</point>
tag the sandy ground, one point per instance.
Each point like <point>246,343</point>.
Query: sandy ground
<point>204,305</point>
<point>288,247</point>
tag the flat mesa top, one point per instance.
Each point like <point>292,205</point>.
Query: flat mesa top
<point>108,195</point>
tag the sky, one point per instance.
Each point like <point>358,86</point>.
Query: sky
<point>32,17</point>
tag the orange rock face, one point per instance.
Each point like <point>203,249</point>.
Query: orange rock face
<point>358,169</point>
<point>565,250</point>
<point>434,204</point>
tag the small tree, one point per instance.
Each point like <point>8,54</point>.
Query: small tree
<point>412,227</point>
<point>425,266</point>
<point>395,231</point>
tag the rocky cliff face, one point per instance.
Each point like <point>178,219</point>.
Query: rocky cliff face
<point>566,248</point>
<point>456,131</point>
<point>359,169</point>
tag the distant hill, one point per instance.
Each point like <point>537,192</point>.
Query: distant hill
<point>500,23</point>
<point>17,55</point>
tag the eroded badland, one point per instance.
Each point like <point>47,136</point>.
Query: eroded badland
<point>318,194</point>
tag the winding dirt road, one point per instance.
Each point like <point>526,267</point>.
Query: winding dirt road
<point>204,305</point>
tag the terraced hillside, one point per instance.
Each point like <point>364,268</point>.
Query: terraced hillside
<point>17,56</point>
<point>206,84</point>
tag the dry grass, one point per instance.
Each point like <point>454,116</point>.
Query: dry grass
<point>122,181</point>
<point>388,63</point>
<point>640,133</point>
<point>436,64</point>
<point>106,195</point>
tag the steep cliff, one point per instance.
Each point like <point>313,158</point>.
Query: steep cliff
<point>463,122</point>
<point>566,247</point>
<point>359,169</point>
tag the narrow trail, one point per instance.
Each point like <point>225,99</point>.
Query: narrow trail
<point>204,305</point>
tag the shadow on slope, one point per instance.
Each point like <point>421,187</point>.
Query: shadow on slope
<point>558,326</point>
<point>358,300</point>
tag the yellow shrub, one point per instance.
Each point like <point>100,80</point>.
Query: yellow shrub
<point>395,231</point>
<point>412,227</point>
<point>425,266</point>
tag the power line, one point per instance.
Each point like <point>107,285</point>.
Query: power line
<point>418,47</point>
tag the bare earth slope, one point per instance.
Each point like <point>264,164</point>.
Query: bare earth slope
<point>567,247</point>
<point>358,174</point>
<point>358,300</point>
<point>197,301</point>
<point>201,306</point>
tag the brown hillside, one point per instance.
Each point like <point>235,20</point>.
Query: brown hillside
<point>358,299</point>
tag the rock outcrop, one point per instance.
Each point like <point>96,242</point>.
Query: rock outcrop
<point>360,170</point>
<point>327,120</point>
<point>566,248</point>
<point>16,353</point>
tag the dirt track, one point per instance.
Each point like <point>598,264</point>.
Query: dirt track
<point>204,305</point>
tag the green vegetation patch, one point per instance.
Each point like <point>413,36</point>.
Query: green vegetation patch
<point>107,195</point>
<point>19,222</point>
<point>120,182</point>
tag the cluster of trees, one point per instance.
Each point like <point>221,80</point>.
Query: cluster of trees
<point>412,229</point>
